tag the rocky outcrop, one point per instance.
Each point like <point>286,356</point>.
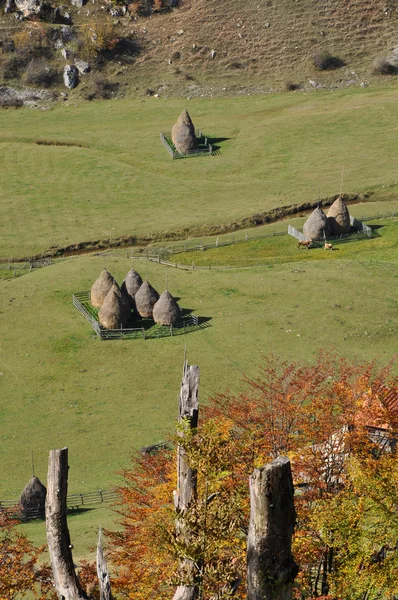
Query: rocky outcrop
<point>71,76</point>
<point>339,217</point>
<point>29,8</point>
<point>317,226</point>
<point>82,66</point>
<point>183,134</point>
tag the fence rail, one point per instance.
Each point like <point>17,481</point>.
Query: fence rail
<point>73,502</point>
<point>204,145</point>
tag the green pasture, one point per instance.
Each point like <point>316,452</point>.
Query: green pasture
<point>103,173</point>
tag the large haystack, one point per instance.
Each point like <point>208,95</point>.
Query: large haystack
<point>339,217</point>
<point>183,134</point>
<point>317,226</point>
<point>131,284</point>
<point>166,310</point>
<point>33,498</point>
<point>115,311</point>
<point>100,288</point>
<point>145,299</point>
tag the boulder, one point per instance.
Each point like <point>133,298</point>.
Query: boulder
<point>317,226</point>
<point>10,6</point>
<point>71,76</point>
<point>77,3</point>
<point>82,66</point>
<point>29,8</point>
<point>339,217</point>
<point>183,134</point>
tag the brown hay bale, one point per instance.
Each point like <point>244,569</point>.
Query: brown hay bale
<point>131,284</point>
<point>33,497</point>
<point>166,310</point>
<point>145,299</point>
<point>100,288</point>
<point>115,311</point>
<point>317,226</point>
<point>339,217</point>
<point>183,134</point>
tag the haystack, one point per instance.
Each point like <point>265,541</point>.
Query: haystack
<point>145,299</point>
<point>183,134</point>
<point>166,310</point>
<point>33,498</point>
<point>100,288</point>
<point>317,226</point>
<point>339,217</point>
<point>115,311</point>
<point>131,284</point>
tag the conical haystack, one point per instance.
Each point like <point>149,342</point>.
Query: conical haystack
<point>115,311</point>
<point>339,217</point>
<point>317,226</point>
<point>100,288</point>
<point>33,498</point>
<point>183,134</point>
<point>145,299</point>
<point>166,310</point>
<point>131,284</point>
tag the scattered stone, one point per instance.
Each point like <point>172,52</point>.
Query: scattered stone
<point>82,66</point>
<point>77,3</point>
<point>10,6</point>
<point>183,134</point>
<point>29,8</point>
<point>213,53</point>
<point>71,76</point>
<point>180,32</point>
<point>65,53</point>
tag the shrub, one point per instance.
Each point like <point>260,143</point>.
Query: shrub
<point>14,66</point>
<point>11,102</point>
<point>102,89</point>
<point>291,87</point>
<point>383,67</point>
<point>40,74</point>
<point>324,61</point>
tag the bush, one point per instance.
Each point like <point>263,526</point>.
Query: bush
<point>40,74</point>
<point>14,66</point>
<point>103,89</point>
<point>291,87</point>
<point>11,102</point>
<point>324,61</point>
<point>383,67</point>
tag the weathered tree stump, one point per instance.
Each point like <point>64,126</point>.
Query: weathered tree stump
<point>270,565</point>
<point>186,492</point>
<point>58,538</point>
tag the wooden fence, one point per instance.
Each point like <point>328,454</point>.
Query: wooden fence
<point>205,148</point>
<point>81,300</point>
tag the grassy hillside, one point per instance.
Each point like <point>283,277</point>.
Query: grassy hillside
<point>103,172</point>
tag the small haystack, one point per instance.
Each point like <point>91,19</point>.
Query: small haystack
<point>115,311</point>
<point>100,288</point>
<point>339,217</point>
<point>131,284</point>
<point>145,299</point>
<point>317,226</point>
<point>183,134</point>
<point>166,310</point>
<point>33,498</point>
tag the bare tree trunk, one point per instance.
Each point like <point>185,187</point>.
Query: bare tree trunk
<point>270,565</point>
<point>186,492</point>
<point>59,545</point>
<point>102,571</point>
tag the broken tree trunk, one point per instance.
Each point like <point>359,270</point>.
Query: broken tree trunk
<point>59,545</point>
<point>186,492</point>
<point>102,571</point>
<point>270,565</point>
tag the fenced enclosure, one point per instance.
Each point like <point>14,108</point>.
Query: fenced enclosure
<point>148,330</point>
<point>205,148</point>
<point>361,231</point>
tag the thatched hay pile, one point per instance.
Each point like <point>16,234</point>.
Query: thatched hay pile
<point>131,284</point>
<point>183,134</point>
<point>316,227</point>
<point>166,310</point>
<point>339,217</point>
<point>33,497</point>
<point>100,288</point>
<point>145,299</point>
<point>115,311</point>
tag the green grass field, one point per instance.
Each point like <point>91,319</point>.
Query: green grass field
<point>114,177</point>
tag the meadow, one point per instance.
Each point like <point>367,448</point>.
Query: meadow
<point>102,172</point>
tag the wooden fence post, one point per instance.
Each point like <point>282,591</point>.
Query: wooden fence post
<point>270,565</point>
<point>59,544</point>
<point>102,571</point>
<point>188,411</point>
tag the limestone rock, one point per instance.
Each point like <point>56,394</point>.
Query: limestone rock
<point>183,134</point>
<point>71,76</point>
<point>317,226</point>
<point>339,217</point>
<point>77,3</point>
<point>29,8</point>
<point>82,66</point>
<point>10,6</point>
